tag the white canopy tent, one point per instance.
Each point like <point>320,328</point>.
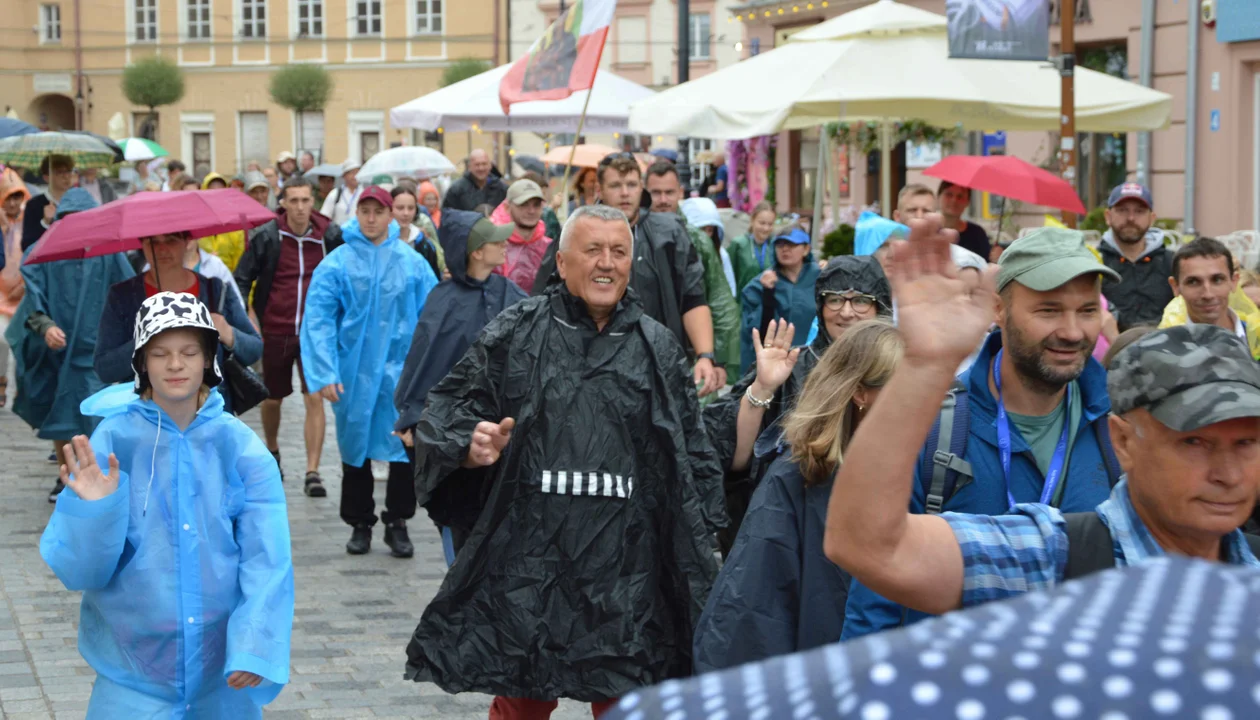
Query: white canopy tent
<point>474,103</point>
<point>883,62</point>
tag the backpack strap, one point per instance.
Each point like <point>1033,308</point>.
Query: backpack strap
<point>1102,432</point>
<point>1090,548</point>
<point>946,462</point>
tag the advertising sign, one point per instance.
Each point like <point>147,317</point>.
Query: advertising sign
<point>999,29</point>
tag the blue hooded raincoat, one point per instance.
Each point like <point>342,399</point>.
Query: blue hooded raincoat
<point>72,293</point>
<point>198,586</point>
<point>361,312</point>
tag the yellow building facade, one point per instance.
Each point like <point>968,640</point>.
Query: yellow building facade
<point>57,73</point>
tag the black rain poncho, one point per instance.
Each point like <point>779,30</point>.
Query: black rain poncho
<point>846,272</point>
<point>589,559</point>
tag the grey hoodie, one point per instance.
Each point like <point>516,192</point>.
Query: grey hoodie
<point>1143,291</point>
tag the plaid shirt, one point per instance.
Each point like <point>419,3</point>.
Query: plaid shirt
<point>1025,551</point>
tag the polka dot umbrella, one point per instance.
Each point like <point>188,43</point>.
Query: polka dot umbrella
<point>1172,638</point>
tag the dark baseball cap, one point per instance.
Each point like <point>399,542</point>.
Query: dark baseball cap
<point>485,232</point>
<point>1188,377</point>
<point>1047,258</point>
<point>379,194</point>
<point>1124,191</point>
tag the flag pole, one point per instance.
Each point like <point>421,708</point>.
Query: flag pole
<point>564,183</point>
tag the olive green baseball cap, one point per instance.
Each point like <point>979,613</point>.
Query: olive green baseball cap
<point>485,232</point>
<point>1048,258</point>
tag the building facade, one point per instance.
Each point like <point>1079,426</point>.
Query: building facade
<point>1224,180</point>
<point>380,53</point>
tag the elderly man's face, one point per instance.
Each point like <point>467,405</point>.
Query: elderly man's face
<point>596,264</point>
<point>915,207</point>
<point>1200,484</point>
<point>479,164</point>
<point>1049,335</point>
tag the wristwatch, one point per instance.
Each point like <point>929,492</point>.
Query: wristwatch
<point>707,356</point>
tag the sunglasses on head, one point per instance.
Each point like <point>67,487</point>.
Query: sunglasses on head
<point>610,157</point>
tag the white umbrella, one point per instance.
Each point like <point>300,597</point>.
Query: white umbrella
<point>888,60</point>
<point>406,161</point>
<point>474,103</point>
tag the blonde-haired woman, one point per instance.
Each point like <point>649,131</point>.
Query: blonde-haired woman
<point>778,593</point>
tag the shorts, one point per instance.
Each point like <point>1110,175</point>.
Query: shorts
<point>280,353</point>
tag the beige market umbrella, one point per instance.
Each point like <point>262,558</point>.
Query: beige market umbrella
<point>889,61</point>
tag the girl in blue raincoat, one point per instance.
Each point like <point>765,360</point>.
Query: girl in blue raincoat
<point>173,524</point>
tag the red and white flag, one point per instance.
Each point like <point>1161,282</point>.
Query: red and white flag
<point>562,61</point>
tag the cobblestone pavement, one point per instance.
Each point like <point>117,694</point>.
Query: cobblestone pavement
<point>353,618</point>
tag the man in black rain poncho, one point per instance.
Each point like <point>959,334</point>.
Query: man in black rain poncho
<point>743,425</point>
<point>571,433</point>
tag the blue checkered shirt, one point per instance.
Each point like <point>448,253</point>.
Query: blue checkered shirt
<point>1009,555</point>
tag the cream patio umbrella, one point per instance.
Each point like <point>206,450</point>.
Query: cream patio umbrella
<point>883,62</point>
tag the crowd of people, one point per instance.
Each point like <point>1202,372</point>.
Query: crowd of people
<point>650,450</point>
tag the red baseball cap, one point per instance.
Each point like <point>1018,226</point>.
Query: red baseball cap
<point>379,194</point>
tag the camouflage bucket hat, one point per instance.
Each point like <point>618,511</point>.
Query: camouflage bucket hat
<point>1188,377</point>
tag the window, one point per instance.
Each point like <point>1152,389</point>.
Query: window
<point>428,16</point>
<point>369,145</point>
<point>700,31</point>
<point>253,18</point>
<point>368,17</point>
<point>198,19</point>
<point>310,18</point>
<point>50,23</point>
<point>632,40</point>
<point>254,138</point>
<point>202,162</point>
<point>144,19</point>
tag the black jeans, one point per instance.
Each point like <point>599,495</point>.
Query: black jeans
<point>357,505</point>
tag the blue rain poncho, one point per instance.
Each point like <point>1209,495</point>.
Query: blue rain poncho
<point>361,312</point>
<point>200,585</point>
<point>72,293</point>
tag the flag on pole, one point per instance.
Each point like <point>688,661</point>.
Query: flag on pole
<point>562,61</point>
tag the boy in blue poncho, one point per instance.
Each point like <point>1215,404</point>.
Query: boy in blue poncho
<point>361,311</point>
<point>181,547</point>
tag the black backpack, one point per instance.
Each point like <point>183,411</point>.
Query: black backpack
<point>1090,547</point>
<point>945,470</point>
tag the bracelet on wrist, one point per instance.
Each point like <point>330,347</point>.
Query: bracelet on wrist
<point>756,401</point>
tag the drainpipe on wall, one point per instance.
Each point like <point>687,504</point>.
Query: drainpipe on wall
<point>1146,77</point>
<point>80,102</point>
<point>1192,114</point>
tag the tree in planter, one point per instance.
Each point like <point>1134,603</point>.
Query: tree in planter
<point>302,88</point>
<point>152,82</point>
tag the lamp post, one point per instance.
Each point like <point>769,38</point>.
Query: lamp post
<point>684,74</point>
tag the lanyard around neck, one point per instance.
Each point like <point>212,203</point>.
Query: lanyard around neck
<point>1054,473</point>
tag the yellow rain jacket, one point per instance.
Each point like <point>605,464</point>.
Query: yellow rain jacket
<point>1175,314</point>
<point>229,246</point>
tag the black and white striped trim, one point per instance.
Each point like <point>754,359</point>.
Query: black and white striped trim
<point>590,484</point>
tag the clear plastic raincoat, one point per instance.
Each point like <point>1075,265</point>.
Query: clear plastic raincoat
<point>198,586</point>
<point>361,311</point>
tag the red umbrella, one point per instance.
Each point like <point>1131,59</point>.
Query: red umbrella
<point>1010,177</point>
<point>118,226</point>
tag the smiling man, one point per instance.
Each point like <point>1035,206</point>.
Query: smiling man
<point>1035,405</point>
<point>1205,283</point>
<point>566,439</point>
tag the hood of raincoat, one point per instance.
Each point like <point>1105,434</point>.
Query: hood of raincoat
<point>141,576</point>
<point>428,187</point>
<point>205,182</point>
<point>589,552</point>
<point>1175,314</point>
<point>11,182</point>
<point>703,213</point>
<point>1154,240</point>
<point>861,274</point>
<point>75,200</point>
<point>453,235</point>
<point>872,231</point>
<point>169,311</point>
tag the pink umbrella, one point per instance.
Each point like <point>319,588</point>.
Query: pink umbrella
<point>118,226</point>
<point>1010,177</point>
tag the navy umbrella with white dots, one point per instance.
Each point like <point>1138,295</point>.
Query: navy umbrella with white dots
<point>1171,638</point>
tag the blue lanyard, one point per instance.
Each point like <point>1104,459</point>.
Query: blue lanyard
<point>1054,473</point>
<point>761,253</point>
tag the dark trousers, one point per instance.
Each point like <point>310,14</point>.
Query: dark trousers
<point>357,505</point>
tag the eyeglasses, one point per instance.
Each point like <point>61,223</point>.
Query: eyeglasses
<point>860,302</point>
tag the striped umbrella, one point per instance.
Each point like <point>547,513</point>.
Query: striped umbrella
<point>135,148</point>
<point>28,151</point>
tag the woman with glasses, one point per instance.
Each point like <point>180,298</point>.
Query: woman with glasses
<point>777,593</point>
<point>851,289</point>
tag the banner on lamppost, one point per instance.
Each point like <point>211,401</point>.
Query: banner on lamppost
<point>999,29</point>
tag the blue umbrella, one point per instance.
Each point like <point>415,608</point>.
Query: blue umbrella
<point>1169,638</point>
<point>9,126</point>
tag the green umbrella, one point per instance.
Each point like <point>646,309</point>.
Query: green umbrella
<point>141,149</point>
<point>28,151</point>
